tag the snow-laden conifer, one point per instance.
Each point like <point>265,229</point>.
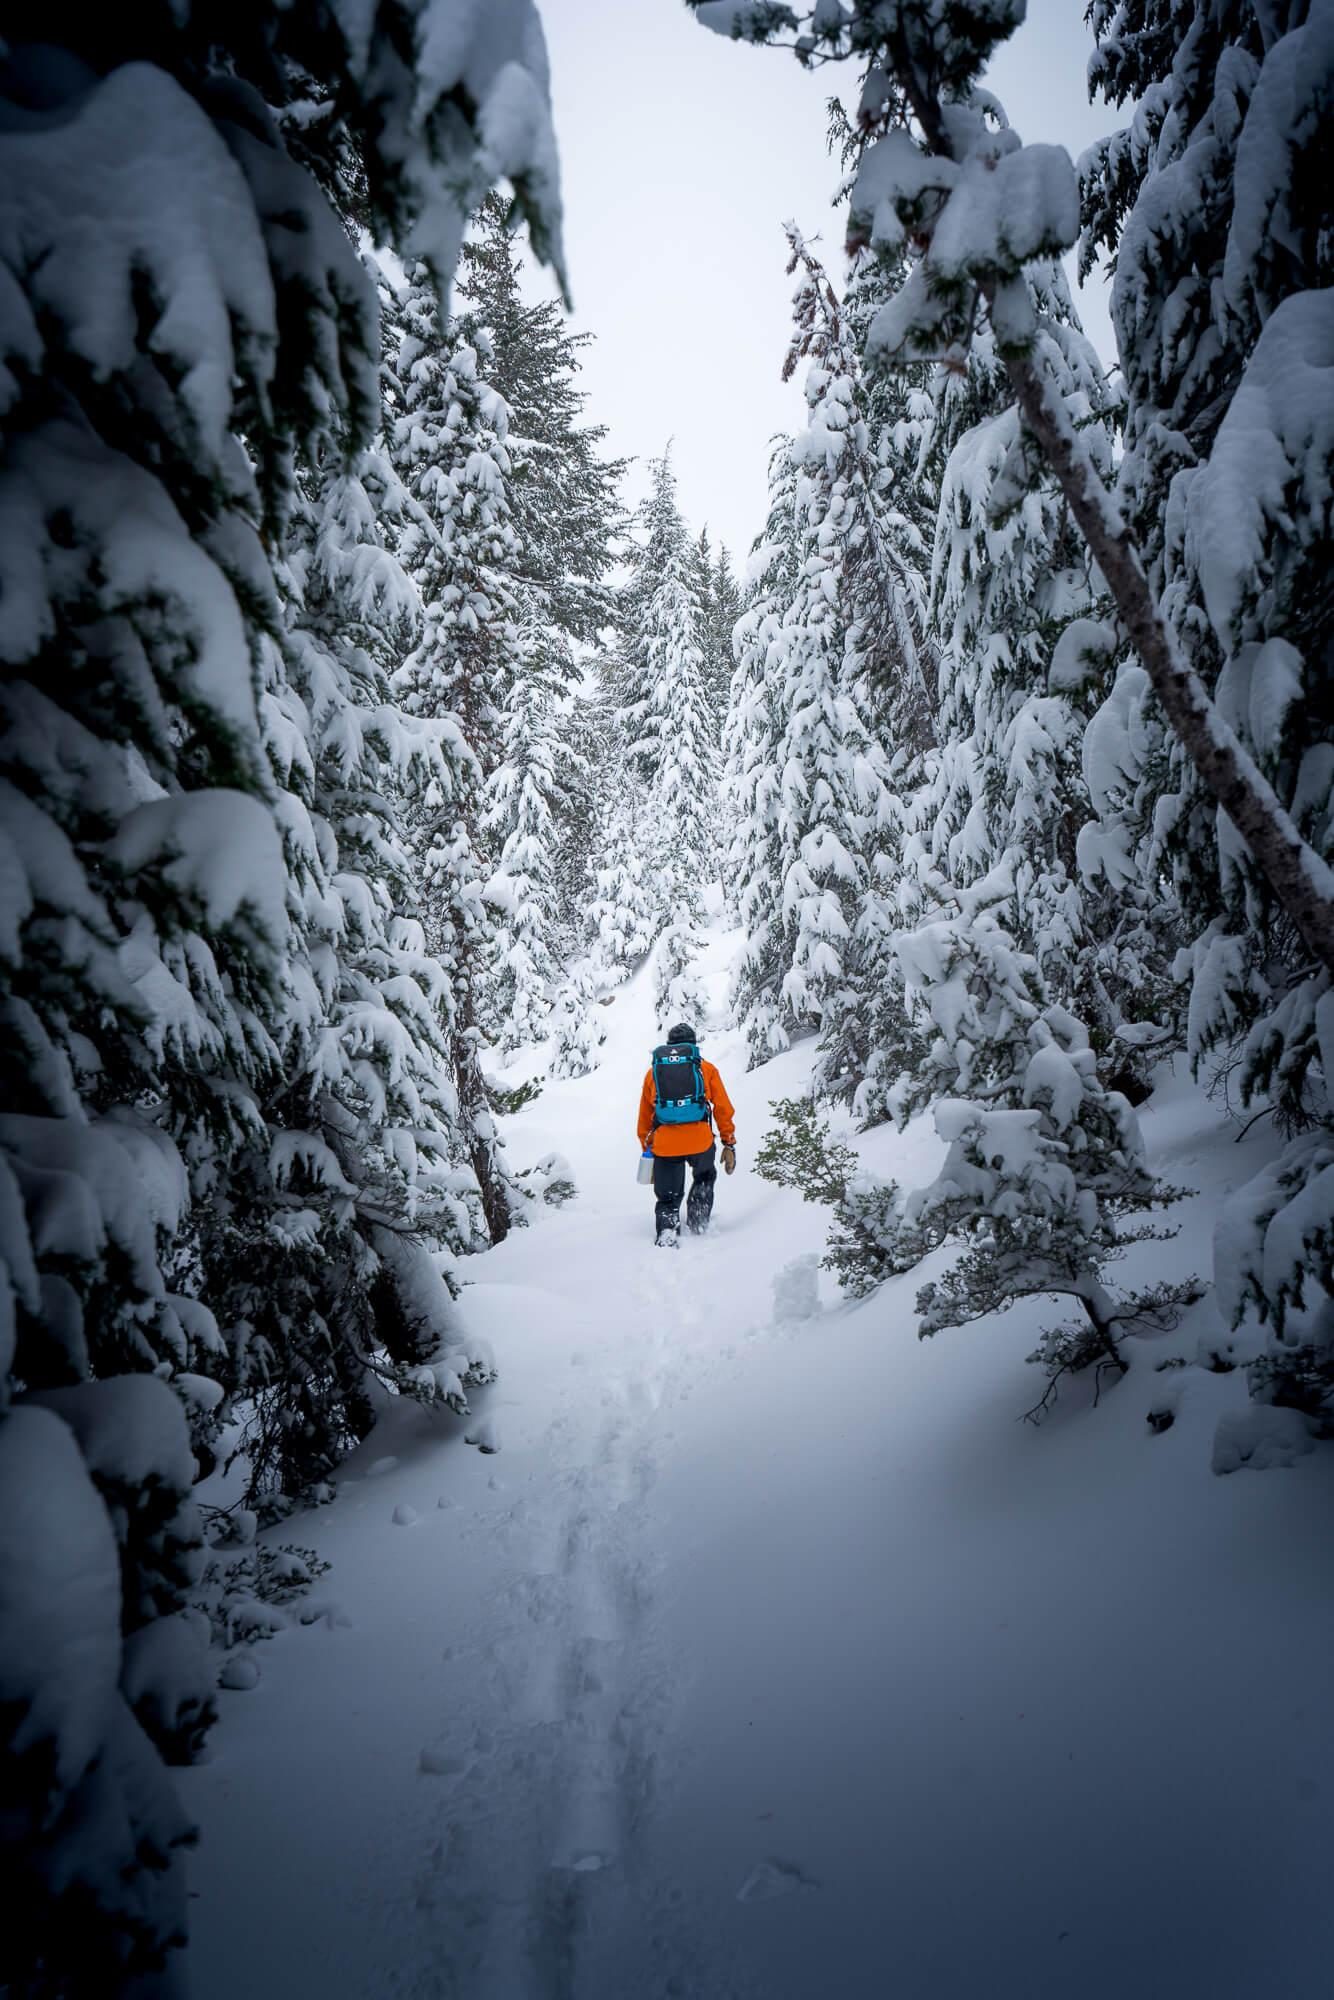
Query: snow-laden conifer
<point>1044,1181</point>
<point>913,414</point>
<point>625,912</point>
<point>753,870</point>
<point>576,1023</point>
<point>585,740</point>
<point>1221,303</point>
<point>986,767</point>
<point>562,506</point>
<point>720,598</point>
<point>909,419</point>
<point>833,807</point>
<point>1010,578</point>
<point>1004,747</point>
<point>526,803</point>
<point>183,315</point>
<point>678,990</point>
<point>458,546</point>
<point>563,493</point>
<point>979,207</point>
<point>673,753</point>
<point>1044,1163</point>
<point>658,683</point>
<point>326,1254</point>
<point>146,932</point>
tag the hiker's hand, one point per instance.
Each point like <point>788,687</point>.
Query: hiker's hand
<point>729,1159</point>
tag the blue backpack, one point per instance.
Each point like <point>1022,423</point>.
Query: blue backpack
<point>678,1084</point>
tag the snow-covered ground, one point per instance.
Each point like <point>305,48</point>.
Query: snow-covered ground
<point>773,1656</point>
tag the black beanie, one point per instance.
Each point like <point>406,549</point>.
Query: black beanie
<point>682,1032</point>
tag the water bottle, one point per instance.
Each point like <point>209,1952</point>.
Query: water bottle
<point>645,1167</point>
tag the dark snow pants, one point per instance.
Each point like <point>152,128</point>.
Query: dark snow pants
<point>669,1179</point>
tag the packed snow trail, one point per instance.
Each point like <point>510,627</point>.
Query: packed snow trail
<point>767,1657</point>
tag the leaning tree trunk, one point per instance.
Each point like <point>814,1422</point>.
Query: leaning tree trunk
<point>479,1122</point>
<point>1301,881</point>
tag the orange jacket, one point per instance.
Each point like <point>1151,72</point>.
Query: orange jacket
<point>673,1142</point>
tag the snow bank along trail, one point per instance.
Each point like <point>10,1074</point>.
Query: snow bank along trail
<point>774,1658</point>
<point>445,1788</point>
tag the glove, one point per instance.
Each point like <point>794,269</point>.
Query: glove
<point>729,1159</point>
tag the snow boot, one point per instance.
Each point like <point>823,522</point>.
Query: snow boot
<point>669,1233</point>
<point>699,1208</point>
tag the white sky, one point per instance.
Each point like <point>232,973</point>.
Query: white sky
<point>681,156</point>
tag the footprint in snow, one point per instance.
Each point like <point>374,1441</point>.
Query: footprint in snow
<point>381,1465</point>
<point>439,1764</point>
<point>483,1435</point>
<point>770,1879</point>
<point>582,1861</point>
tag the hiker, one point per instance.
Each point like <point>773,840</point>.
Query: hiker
<point>682,1095</point>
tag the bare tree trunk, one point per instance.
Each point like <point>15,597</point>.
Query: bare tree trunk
<point>478,1117</point>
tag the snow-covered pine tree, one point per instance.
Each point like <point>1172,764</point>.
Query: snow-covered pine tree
<point>624,915</point>
<point>910,418</point>
<point>1210,205</point>
<point>176,282</point>
<point>1044,1164</point>
<point>458,545</point>
<point>585,731</point>
<point>576,1025</point>
<point>324,1257</point>
<point>752,774</point>
<point>673,740</point>
<point>564,501</point>
<point>1044,1182</point>
<point>596,915</point>
<point>1010,576</point>
<point>526,806</point>
<point>975,1010</point>
<point>720,601</point>
<point>678,990</point>
<point>146,936</point>
<point>663,713</point>
<point>834,808</point>
<point>912,413</point>
<point>987,772</point>
<point>704,599</point>
<point>563,508</point>
<point>944,172</point>
<point>726,607</point>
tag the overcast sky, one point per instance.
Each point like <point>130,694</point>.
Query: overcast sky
<point>681,156</point>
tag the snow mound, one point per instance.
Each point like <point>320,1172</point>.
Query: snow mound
<point>768,1880</point>
<point>1260,1439</point>
<point>797,1290</point>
